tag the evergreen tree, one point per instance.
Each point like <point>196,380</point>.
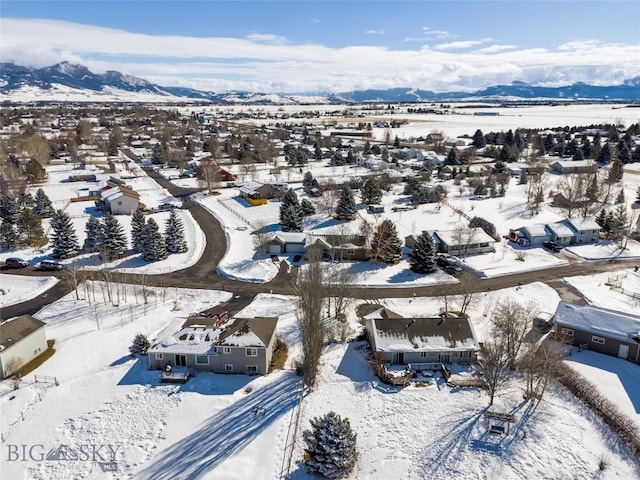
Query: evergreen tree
<point>155,248</point>
<point>139,346</point>
<point>488,227</point>
<point>9,208</point>
<point>452,157</point>
<point>386,245</point>
<point>34,171</point>
<point>307,179</point>
<point>93,235</point>
<point>346,207</point>
<point>137,225</point>
<point>620,197</point>
<point>307,208</point>
<point>63,239</point>
<point>619,222</point>
<point>174,234</point>
<point>615,171</point>
<point>114,242</point>
<point>601,218</point>
<point>371,192</point>
<point>478,139</point>
<point>423,255</point>
<point>608,223</point>
<point>43,207</point>
<point>593,189</point>
<point>638,195</point>
<point>605,154</point>
<point>330,446</point>
<point>29,228</point>
<point>290,212</point>
<point>8,235</point>
<point>624,154</point>
<point>578,155</point>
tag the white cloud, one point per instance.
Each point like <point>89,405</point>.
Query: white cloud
<point>268,62</point>
<point>429,32</point>
<point>374,32</point>
<point>462,44</point>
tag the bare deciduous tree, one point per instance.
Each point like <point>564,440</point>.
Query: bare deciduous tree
<point>494,367</point>
<point>538,364</point>
<point>208,172</point>
<point>310,292</point>
<point>12,366</point>
<point>511,322</point>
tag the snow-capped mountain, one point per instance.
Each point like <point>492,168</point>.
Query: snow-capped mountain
<point>71,82</point>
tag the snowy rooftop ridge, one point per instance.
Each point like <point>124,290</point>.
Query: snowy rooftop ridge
<point>598,320</point>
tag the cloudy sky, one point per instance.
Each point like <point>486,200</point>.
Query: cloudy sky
<point>320,46</point>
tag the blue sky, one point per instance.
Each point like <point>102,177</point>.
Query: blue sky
<point>307,46</point>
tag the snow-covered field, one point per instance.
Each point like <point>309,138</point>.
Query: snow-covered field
<point>16,288</point>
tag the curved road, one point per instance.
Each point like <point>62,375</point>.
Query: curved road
<point>203,275</point>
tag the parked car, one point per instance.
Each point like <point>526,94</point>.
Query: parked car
<point>553,246</point>
<point>50,265</point>
<point>15,262</point>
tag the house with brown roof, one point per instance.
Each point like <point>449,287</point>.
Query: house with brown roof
<point>422,342</point>
<point>119,200</point>
<point>21,340</point>
<point>240,345</point>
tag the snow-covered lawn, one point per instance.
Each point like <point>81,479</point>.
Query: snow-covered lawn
<point>595,290</point>
<point>615,378</point>
<point>440,432</point>
<point>17,288</point>
<point>606,249</point>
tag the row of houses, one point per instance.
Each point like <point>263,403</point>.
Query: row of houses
<point>571,231</point>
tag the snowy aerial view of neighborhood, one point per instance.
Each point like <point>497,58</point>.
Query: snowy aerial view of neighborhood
<point>303,240</point>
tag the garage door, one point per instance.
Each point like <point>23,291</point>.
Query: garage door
<point>295,248</point>
<point>275,250</point>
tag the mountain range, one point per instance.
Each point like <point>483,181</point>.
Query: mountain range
<point>71,82</point>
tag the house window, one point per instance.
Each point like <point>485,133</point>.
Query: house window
<point>423,354</point>
<point>252,369</point>
<point>596,339</point>
<point>251,352</point>
<point>202,360</point>
<point>37,351</point>
<point>158,356</point>
<point>226,349</point>
<point>228,367</point>
<point>351,252</point>
<point>566,331</point>
<point>119,203</point>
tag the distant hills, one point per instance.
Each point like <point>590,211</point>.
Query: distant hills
<point>71,82</point>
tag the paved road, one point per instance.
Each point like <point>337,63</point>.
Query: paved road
<point>203,275</point>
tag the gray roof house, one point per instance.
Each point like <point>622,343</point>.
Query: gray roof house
<point>561,233</point>
<point>21,340</point>
<point>456,242</point>
<point>421,342</point>
<point>241,345</point>
<point>600,329</point>
<point>586,229</point>
<point>119,201</point>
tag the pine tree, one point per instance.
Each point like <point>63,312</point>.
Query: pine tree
<point>290,212</point>
<point>478,139</point>
<point>34,171</point>
<point>386,245</point>
<point>624,154</point>
<point>346,207</point>
<point>452,157</point>
<point>330,446</point>
<point>43,207</point>
<point>638,196</point>
<point>9,209</point>
<point>620,197</point>
<point>29,228</point>
<point>619,222</point>
<point>137,225</point>
<point>64,239</point>
<point>423,255</point>
<point>174,234</point>
<point>615,171</point>
<point>307,179</point>
<point>155,248</point>
<point>114,244</point>
<point>605,154</point>
<point>8,235</point>
<point>93,235</point>
<point>139,346</point>
<point>488,227</point>
<point>307,208</point>
<point>371,192</point>
<point>601,218</point>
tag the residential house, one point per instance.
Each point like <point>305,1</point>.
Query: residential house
<point>524,236</point>
<point>338,247</point>
<point>257,193</point>
<point>573,166</point>
<point>21,340</point>
<point>463,242</point>
<point>241,345</point>
<point>561,233</point>
<point>119,201</point>
<point>599,329</point>
<point>286,242</point>
<point>425,342</point>
<point>586,230</point>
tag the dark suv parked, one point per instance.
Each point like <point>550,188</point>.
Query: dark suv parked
<point>15,262</point>
<point>553,246</point>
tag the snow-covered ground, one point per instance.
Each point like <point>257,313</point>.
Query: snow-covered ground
<point>595,289</point>
<point>17,288</point>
